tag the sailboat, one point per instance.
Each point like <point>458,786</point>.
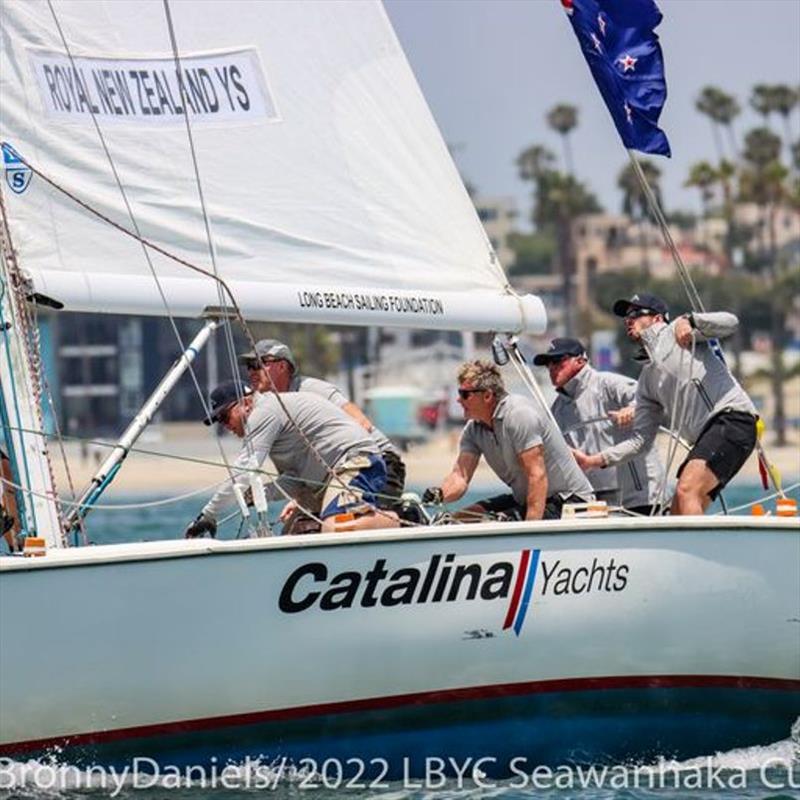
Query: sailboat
<point>277,161</point>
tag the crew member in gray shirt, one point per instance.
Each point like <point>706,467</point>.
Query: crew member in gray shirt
<point>685,381</point>
<point>271,366</point>
<point>520,443</point>
<point>593,409</point>
<point>325,460</point>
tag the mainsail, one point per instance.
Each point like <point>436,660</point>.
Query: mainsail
<point>328,194</point>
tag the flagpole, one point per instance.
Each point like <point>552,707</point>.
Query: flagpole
<point>688,284</point>
<point>691,290</point>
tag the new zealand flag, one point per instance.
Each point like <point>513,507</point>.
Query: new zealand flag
<point>618,40</point>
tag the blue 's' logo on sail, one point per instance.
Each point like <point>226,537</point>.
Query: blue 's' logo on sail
<point>18,175</point>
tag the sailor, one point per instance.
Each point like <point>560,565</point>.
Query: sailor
<point>593,409</point>
<point>520,443</point>
<point>9,515</point>
<point>272,366</point>
<point>685,381</point>
<point>326,461</point>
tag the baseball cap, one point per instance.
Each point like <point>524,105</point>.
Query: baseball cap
<point>643,300</point>
<point>223,397</point>
<point>560,347</point>
<point>269,348</point>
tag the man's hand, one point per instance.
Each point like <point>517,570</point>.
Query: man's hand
<point>287,510</point>
<point>587,462</point>
<point>200,527</point>
<point>624,417</point>
<point>684,333</point>
<point>433,496</point>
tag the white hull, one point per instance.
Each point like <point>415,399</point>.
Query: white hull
<point>129,643</point>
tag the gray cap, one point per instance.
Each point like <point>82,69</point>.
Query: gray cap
<point>269,348</point>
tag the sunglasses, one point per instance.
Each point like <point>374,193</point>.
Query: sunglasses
<point>223,415</point>
<point>639,312</point>
<point>465,393</point>
<point>254,365</point>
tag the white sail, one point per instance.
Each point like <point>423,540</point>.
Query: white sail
<point>330,194</point>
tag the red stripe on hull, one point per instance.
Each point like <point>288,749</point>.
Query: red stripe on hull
<point>420,698</point>
<point>521,573</point>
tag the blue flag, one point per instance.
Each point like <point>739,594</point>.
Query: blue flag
<point>623,53</point>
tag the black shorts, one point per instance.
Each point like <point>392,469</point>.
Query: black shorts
<point>506,504</point>
<point>725,443</point>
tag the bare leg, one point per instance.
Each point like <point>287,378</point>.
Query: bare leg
<point>691,493</point>
<point>374,520</point>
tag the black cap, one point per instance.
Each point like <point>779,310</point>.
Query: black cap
<point>558,349</point>
<point>223,397</point>
<point>645,301</point>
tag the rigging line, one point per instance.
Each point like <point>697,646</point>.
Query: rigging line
<point>60,439</point>
<point>228,334</point>
<point>761,499</point>
<point>195,268</point>
<point>273,476</point>
<point>652,201</point>
<point>18,308</point>
<point>132,218</point>
<point>164,501</point>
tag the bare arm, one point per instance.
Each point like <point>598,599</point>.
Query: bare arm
<point>358,415</point>
<point>457,482</point>
<point>532,462</point>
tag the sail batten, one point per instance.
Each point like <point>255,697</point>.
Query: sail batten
<point>319,159</point>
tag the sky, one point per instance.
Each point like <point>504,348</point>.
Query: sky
<point>491,69</point>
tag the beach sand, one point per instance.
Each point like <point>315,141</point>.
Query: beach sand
<point>183,457</point>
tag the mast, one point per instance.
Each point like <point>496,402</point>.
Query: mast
<point>21,390</point>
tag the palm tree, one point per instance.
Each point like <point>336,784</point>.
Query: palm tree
<point>558,199</point>
<point>761,147</point>
<point>721,109</point>
<point>762,100</point>
<point>562,119</point>
<point>634,199</point>
<point>534,161</point>
<point>703,177</point>
<point>764,182</point>
<point>785,100</point>
<point>795,151</point>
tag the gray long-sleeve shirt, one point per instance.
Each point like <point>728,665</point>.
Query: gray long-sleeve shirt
<point>270,432</point>
<point>588,397</point>
<point>695,387</point>
<point>302,383</point>
<point>518,425</point>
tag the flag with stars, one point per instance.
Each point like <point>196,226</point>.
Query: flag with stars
<point>619,43</point>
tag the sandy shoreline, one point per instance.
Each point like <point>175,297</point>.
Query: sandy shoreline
<point>176,463</point>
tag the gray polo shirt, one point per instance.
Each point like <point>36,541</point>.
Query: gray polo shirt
<point>692,387</point>
<point>269,433</point>
<point>587,398</point>
<point>302,383</point>
<point>518,425</point>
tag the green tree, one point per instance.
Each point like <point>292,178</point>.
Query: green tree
<point>784,100</point>
<point>703,176</point>
<point>533,162</point>
<point>557,200</point>
<point>534,253</point>
<point>563,118</point>
<point>764,182</point>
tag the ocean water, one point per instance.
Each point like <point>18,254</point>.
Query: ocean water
<point>770,771</point>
